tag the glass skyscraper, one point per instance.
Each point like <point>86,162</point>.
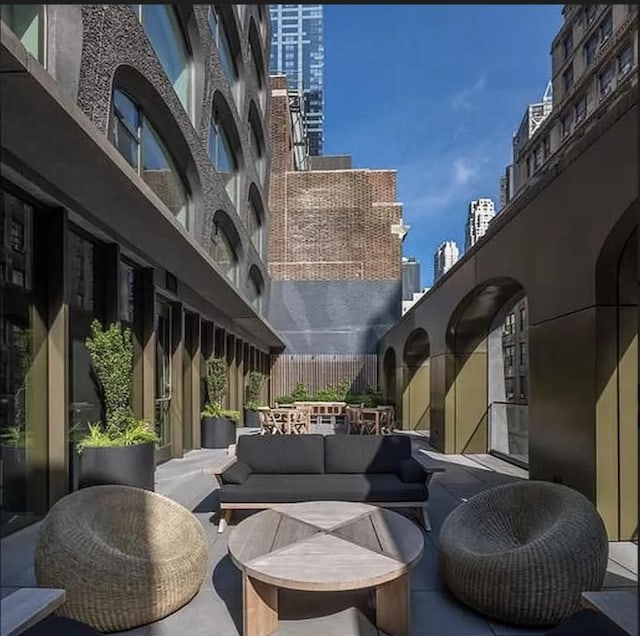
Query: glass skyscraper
<point>297,51</point>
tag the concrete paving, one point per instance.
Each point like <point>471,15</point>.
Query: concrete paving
<point>217,608</point>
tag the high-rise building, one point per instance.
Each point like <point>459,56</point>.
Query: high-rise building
<point>481,211</point>
<point>297,51</point>
<point>410,277</point>
<point>444,259</point>
<point>594,59</point>
<point>506,187</point>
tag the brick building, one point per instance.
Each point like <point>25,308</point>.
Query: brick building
<point>335,246</point>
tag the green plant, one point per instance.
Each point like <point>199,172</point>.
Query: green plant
<point>111,352</point>
<point>234,416</point>
<point>217,374</point>
<point>15,436</point>
<point>255,381</point>
<point>285,399</point>
<point>300,393</point>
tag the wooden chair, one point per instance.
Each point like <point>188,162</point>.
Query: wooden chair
<point>301,420</point>
<point>370,419</point>
<point>387,420</point>
<point>353,416</point>
<point>269,424</point>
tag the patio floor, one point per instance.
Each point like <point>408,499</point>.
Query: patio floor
<point>217,609</point>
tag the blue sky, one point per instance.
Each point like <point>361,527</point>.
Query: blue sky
<point>434,92</point>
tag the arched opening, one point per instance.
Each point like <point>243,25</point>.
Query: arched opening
<point>254,220</point>
<point>224,147</point>
<point>255,287</point>
<point>389,387</point>
<point>474,346</point>
<point>226,246</point>
<point>507,382</point>
<point>258,64</point>
<point>139,142</point>
<point>617,380</point>
<point>258,145</point>
<point>225,36</point>
<point>416,389</point>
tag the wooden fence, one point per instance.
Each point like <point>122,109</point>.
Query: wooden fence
<point>318,371</point>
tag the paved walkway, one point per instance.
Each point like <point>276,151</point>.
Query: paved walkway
<point>217,609</point>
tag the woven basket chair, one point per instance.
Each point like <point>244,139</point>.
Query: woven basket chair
<point>124,556</point>
<point>522,553</point>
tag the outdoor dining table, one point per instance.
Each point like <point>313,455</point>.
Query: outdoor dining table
<point>289,422</point>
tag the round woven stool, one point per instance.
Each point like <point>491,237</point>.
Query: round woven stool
<point>522,553</point>
<point>124,556</point>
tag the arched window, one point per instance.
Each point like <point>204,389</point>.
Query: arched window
<point>254,288</point>
<point>27,22</point>
<point>258,64</point>
<point>140,144</point>
<point>223,252</point>
<point>257,146</point>
<point>227,59</point>
<point>223,157</point>
<point>161,24</point>
<point>254,225</point>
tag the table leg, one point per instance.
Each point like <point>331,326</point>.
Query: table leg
<point>392,607</point>
<point>259,607</point>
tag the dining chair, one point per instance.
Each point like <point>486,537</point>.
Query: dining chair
<point>370,422</point>
<point>301,420</point>
<point>269,424</point>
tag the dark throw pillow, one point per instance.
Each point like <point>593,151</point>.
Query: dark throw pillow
<point>236,473</point>
<point>411,471</point>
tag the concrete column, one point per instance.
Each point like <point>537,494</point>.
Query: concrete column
<point>111,256</point>
<point>144,346</point>
<point>176,417</point>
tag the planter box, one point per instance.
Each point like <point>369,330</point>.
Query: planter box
<point>251,418</point>
<point>14,478</point>
<point>217,432</point>
<point>121,465</point>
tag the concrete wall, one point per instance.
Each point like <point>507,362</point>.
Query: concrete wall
<point>341,317</point>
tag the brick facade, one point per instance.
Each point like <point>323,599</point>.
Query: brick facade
<point>328,224</point>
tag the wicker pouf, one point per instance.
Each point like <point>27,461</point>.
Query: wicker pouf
<point>522,553</point>
<point>124,556</point>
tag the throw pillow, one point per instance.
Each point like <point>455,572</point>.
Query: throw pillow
<point>236,473</point>
<point>410,471</point>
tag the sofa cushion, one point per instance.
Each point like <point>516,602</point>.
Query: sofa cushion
<point>365,453</point>
<point>304,487</point>
<point>236,473</point>
<point>282,454</point>
<point>411,471</point>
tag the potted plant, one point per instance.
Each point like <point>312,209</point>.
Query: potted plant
<point>121,448</point>
<point>14,468</point>
<point>217,425</point>
<point>255,381</point>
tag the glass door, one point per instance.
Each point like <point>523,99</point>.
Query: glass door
<point>163,379</point>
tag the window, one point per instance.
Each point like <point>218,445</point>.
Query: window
<point>537,157</point>
<point>565,126</point>
<point>625,60</point>
<point>546,147</point>
<point>17,235</point>
<point>523,318</point>
<point>605,81</point>
<point>590,13</point>
<point>254,226</point>
<point>256,148</point>
<point>590,50</point>
<point>580,109</point>
<point>524,394</point>
<point>567,45</point>
<point>523,353</point>
<point>509,389</point>
<point>127,292</point>
<point>508,324</point>
<point>139,143</point>
<point>221,39</point>
<point>254,289</point>
<point>567,79</point>
<point>81,256</point>
<point>223,157</point>
<point>27,22</point>
<point>606,28</point>
<point>509,355</point>
<point>161,24</point>
<point>529,167</point>
<point>223,253</point>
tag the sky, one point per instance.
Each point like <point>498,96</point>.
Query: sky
<point>434,92</point>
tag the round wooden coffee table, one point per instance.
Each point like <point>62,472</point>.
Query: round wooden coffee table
<point>325,546</point>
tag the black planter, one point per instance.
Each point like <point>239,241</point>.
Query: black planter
<point>251,418</point>
<point>14,478</point>
<point>217,432</point>
<point>122,465</point>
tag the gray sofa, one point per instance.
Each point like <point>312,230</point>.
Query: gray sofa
<point>274,469</point>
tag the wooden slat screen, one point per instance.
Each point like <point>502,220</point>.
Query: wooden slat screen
<point>318,371</point>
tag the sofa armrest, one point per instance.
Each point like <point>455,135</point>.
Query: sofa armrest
<point>411,471</point>
<point>236,474</point>
<point>429,469</point>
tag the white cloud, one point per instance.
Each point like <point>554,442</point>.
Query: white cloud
<point>464,99</point>
<point>463,172</point>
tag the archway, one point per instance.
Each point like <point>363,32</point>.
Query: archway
<point>617,381</point>
<point>466,397</point>
<point>416,386</point>
<point>389,386</point>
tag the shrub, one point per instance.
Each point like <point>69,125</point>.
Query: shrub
<point>255,381</point>
<point>300,393</point>
<point>217,376</point>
